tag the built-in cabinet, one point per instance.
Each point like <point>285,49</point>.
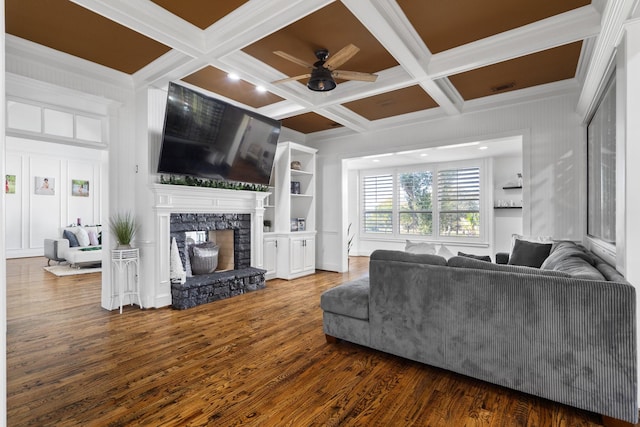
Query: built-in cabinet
<point>270,253</point>
<point>291,212</point>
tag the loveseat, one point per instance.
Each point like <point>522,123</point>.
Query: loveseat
<point>560,335</point>
<point>77,245</point>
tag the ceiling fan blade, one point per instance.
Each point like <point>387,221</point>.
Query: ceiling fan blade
<point>341,57</point>
<point>293,59</point>
<point>354,75</point>
<point>291,79</point>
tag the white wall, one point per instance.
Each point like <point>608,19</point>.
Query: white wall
<point>30,217</point>
<point>553,166</point>
<point>506,221</point>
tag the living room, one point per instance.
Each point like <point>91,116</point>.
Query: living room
<point>550,118</point>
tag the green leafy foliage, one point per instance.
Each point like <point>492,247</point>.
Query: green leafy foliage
<point>212,183</point>
<point>123,227</point>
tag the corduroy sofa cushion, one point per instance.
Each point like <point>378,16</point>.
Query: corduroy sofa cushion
<point>349,299</point>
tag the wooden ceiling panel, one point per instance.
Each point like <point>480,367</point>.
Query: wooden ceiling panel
<point>539,68</point>
<point>201,13</point>
<point>443,25</point>
<point>69,28</point>
<point>402,101</point>
<point>332,27</point>
<point>309,123</point>
<point>216,81</point>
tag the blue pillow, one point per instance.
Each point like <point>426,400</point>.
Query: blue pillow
<point>73,240</point>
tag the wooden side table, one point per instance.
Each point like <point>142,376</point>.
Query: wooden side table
<point>125,270</point>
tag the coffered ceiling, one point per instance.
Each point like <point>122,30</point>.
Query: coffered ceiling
<point>432,57</point>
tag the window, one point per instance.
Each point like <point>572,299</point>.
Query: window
<point>601,168</point>
<point>459,202</point>
<point>437,201</point>
<point>377,196</point>
<point>414,203</point>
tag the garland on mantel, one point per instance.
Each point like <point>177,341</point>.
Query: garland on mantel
<point>212,183</point>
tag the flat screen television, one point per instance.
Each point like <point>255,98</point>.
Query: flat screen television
<point>209,138</point>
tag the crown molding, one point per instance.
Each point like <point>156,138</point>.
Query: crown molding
<point>613,19</point>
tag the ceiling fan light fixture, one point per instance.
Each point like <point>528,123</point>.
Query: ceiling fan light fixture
<point>321,80</point>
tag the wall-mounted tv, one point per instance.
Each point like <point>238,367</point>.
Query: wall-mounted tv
<point>210,138</point>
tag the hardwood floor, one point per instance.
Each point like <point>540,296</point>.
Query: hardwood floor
<point>259,359</point>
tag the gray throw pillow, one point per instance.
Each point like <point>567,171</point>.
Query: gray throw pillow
<point>73,240</point>
<point>529,254</point>
<point>486,258</point>
<point>204,258</point>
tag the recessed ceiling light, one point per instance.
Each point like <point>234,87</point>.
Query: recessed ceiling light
<point>261,88</point>
<point>375,160</point>
<point>484,147</point>
<point>233,76</point>
<point>423,155</point>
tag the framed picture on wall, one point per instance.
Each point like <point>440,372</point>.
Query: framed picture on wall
<point>10,184</point>
<point>79,188</point>
<point>45,186</point>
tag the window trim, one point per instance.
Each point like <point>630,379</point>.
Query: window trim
<point>486,200</point>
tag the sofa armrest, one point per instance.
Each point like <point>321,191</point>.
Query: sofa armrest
<point>56,249</point>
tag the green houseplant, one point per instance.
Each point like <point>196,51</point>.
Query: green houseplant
<point>123,227</point>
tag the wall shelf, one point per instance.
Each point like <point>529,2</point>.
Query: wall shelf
<point>512,187</point>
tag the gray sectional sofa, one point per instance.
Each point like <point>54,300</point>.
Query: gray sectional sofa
<point>565,332</point>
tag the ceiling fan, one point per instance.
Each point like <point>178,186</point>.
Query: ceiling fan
<point>323,71</point>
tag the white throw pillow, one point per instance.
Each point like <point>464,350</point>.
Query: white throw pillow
<point>82,236</point>
<point>444,252</point>
<point>420,248</point>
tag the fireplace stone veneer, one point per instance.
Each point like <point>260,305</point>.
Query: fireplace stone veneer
<point>205,288</point>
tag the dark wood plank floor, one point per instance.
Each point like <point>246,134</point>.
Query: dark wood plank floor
<point>259,359</point>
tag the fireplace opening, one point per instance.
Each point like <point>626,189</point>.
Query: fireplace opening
<point>230,232</point>
<point>214,248</point>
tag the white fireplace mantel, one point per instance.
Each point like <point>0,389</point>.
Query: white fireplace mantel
<point>170,199</point>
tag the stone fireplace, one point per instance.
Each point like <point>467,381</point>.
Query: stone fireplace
<point>232,233</point>
<point>180,209</point>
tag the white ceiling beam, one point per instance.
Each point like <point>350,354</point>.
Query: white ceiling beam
<point>384,20</point>
<point>151,20</point>
<point>345,117</point>
<point>254,21</point>
<point>173,65</point>
<point>555,31</point>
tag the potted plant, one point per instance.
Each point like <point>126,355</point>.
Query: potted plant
<point>267,225</point>
<point>123,227</point>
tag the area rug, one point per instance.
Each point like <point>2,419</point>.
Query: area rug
<point>66,270</point>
